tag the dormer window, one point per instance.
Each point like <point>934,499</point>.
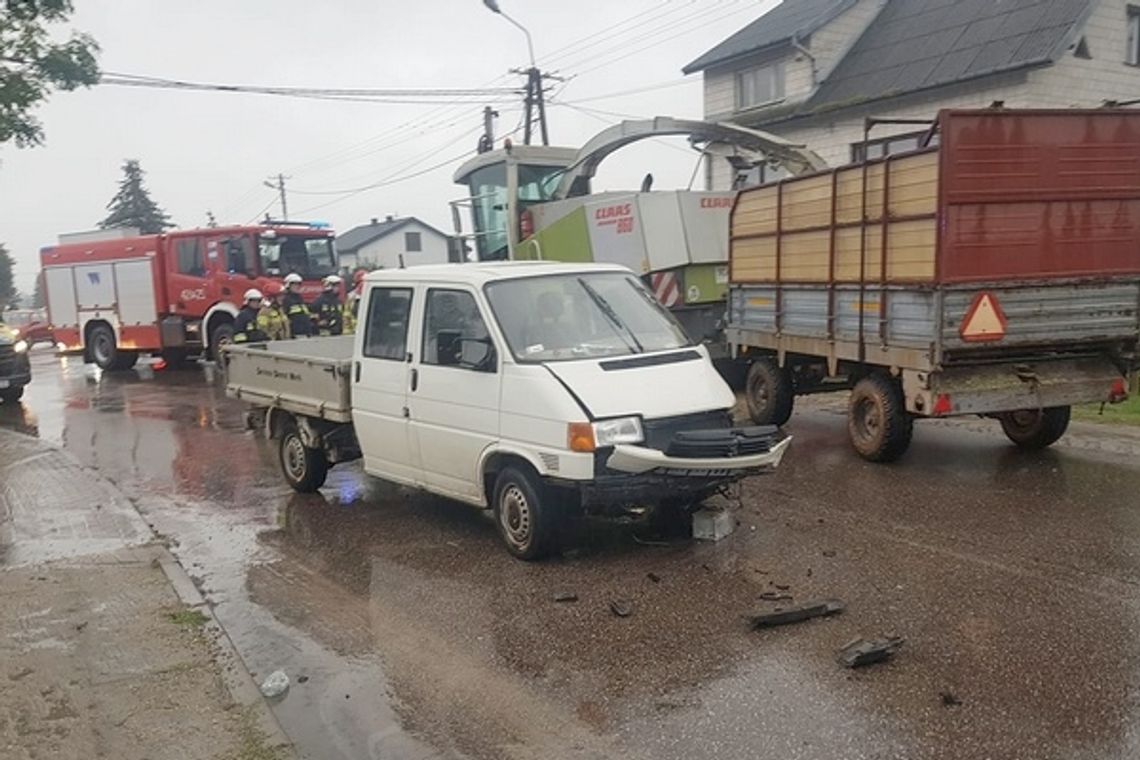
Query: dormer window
<point>760,86</point>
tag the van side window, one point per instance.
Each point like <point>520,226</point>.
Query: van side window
<point>190,260</point>
<point>386,331</point>
<point>454,332</point>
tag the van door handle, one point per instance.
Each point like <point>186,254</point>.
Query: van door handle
<point>356,374</point>
<point>415,379</point>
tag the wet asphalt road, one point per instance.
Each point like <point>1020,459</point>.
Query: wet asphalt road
<point>1014,578</point>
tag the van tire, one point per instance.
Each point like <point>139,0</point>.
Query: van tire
<point>1036,429</point>
<point>305,469</point>
<point>769,392</point>
<point>105,351</point>
<point>12,395</point>
<point>525,514</point>
<point>878,424</point>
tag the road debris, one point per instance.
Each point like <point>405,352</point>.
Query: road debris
<point>859,652</point>
<point>798,614</point>
<point>621,608</point>
<point>712,524</point>
<point>565,596</point>
<point>275,684</point>
<point>949,699</point>
<point>653,577</point>
<point>776,596</point>
<point>782,586</point>
<point>829,552</point>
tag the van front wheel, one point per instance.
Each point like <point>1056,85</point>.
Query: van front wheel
<point>524,514</point>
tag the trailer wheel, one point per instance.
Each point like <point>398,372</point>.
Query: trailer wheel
<point>877,421</point>
<point>305,469</point>
<point>105,352</point>
<point>12,395</point>
<point>525,514</point>
<point>769,392</point>
<point>1034,429</point>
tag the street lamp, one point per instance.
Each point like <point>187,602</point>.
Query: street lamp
<point>493,5</point>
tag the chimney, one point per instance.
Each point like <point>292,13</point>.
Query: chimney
<point>389,218</point>
<point>375,220</point>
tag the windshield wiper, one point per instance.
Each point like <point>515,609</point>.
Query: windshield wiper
<point>612,316</point>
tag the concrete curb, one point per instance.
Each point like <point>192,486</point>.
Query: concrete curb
<point>240,685</point>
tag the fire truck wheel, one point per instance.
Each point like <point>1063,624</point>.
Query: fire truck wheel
<point>1034,429</point>
<point>105,352</point>
<point>220,336</point>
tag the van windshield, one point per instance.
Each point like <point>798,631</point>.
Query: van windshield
<point>578,316</point>
<point>311,257</point>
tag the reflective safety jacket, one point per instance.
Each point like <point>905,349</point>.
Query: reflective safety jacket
<point>271,320</point>
<point>246,329</point>
<point>328,314</point>
<point>300,318</point>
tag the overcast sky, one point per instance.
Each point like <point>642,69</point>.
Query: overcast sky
<point>212,150</point>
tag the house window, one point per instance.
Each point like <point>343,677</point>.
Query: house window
<point>1133,58</point>
<point>889,146</point>
<point>759,86</point>
<point>412,242</point>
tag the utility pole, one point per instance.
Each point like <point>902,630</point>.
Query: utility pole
<point>279,186</point>
<point>487,139</point>
<point>534,101</point>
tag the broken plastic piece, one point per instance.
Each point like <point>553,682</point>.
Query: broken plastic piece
<point>798,614</point>
<point>276,684</point>
<point>621,609</point>
<point>860,652</point>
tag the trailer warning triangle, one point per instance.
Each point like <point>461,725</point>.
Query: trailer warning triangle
<point>985,321</point>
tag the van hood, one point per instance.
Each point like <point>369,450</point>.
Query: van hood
<point>660,384</point>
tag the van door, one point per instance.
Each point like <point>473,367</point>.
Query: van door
<point>454,392</point>
<point>381,377</point>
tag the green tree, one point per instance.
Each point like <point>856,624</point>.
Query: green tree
<point>32,64</point>
<point>7,282</point>
<point>132,205</point>
<point>38,293</point>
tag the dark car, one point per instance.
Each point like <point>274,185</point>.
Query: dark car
<point>15,369</point>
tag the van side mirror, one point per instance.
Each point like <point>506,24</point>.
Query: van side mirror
<point>478,354</point>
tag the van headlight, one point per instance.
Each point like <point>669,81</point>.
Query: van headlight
<point>587,437</point>
<point>620,430</point>
<point>20,346</point>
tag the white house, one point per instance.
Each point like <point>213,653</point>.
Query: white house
<point>812,71</point>
<point>383,244</point>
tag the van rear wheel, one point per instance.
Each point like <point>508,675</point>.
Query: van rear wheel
<point>1035,429</point>
<point>525,514</point>
<point>305,469</point>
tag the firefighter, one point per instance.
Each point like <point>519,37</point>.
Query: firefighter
<point>352,302</point>
<point>271,319</point>
<point>246,329</point>
<point>300,319</point>
<point>327,310</point>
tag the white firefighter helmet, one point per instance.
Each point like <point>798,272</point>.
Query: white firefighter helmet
<point>253,294</point>
<point>292,279</point>
<point>332,281</point>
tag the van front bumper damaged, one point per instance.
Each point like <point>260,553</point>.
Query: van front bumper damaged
<point>638,460</point>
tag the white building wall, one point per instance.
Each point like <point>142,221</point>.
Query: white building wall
<point>386,251</point>
<point>1071,82</point>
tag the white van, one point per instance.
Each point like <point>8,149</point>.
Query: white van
<point>534,389</point>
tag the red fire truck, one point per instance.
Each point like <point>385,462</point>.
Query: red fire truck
<point>113,294</point>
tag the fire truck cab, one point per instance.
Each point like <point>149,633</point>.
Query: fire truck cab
<point>113,294</point>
